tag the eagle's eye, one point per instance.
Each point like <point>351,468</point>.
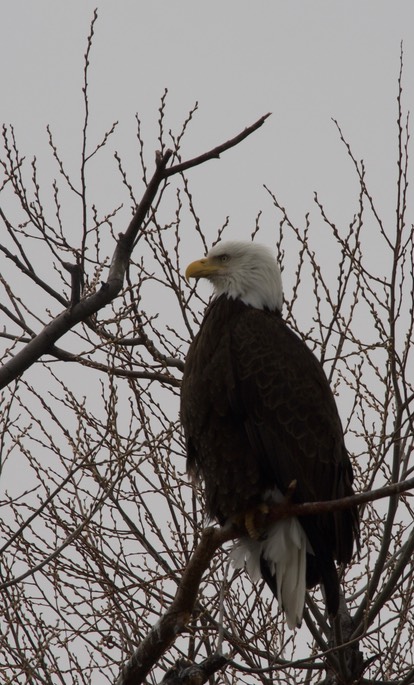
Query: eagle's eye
<point>224,258</point>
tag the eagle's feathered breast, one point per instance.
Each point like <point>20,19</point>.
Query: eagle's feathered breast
<point>214,420</point>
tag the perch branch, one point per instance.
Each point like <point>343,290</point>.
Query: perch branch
<point>173,622</point>
<point>288,509</point>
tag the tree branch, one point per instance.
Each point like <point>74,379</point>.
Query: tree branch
<point>186,673</point>
<point>216,152</point>
<point>80,311</point>
<point>288,509</point>
<point>174,621</point>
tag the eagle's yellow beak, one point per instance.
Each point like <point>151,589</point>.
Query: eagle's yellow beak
<point>202,268</point>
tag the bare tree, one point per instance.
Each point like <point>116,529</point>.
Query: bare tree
<point>108,571</point>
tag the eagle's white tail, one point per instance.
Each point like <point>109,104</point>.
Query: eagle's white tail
<point>284,551</point>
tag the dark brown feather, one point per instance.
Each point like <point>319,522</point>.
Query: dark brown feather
<point>258,412</point>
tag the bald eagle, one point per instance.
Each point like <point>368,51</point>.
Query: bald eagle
<point>258,414</point>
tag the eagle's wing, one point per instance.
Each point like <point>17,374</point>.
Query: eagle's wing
<point>292,423</point>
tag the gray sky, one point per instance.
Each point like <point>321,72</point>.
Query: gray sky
<point>304,61</point>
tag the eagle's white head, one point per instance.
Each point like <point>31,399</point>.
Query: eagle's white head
<point>242,270</point>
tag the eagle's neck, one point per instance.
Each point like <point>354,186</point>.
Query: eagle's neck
<point>261,290</point>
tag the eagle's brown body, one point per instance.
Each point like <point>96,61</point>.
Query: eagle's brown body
<point>258,413</point>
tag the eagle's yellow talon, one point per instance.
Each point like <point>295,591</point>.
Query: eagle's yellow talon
<point>253,519</point>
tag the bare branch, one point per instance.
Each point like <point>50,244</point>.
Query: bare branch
<point>81,311</point>
<point>216,152</point>
<point>178,615</point>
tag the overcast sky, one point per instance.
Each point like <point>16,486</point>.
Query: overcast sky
<point>303,61</point>
<point>306,62</point>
